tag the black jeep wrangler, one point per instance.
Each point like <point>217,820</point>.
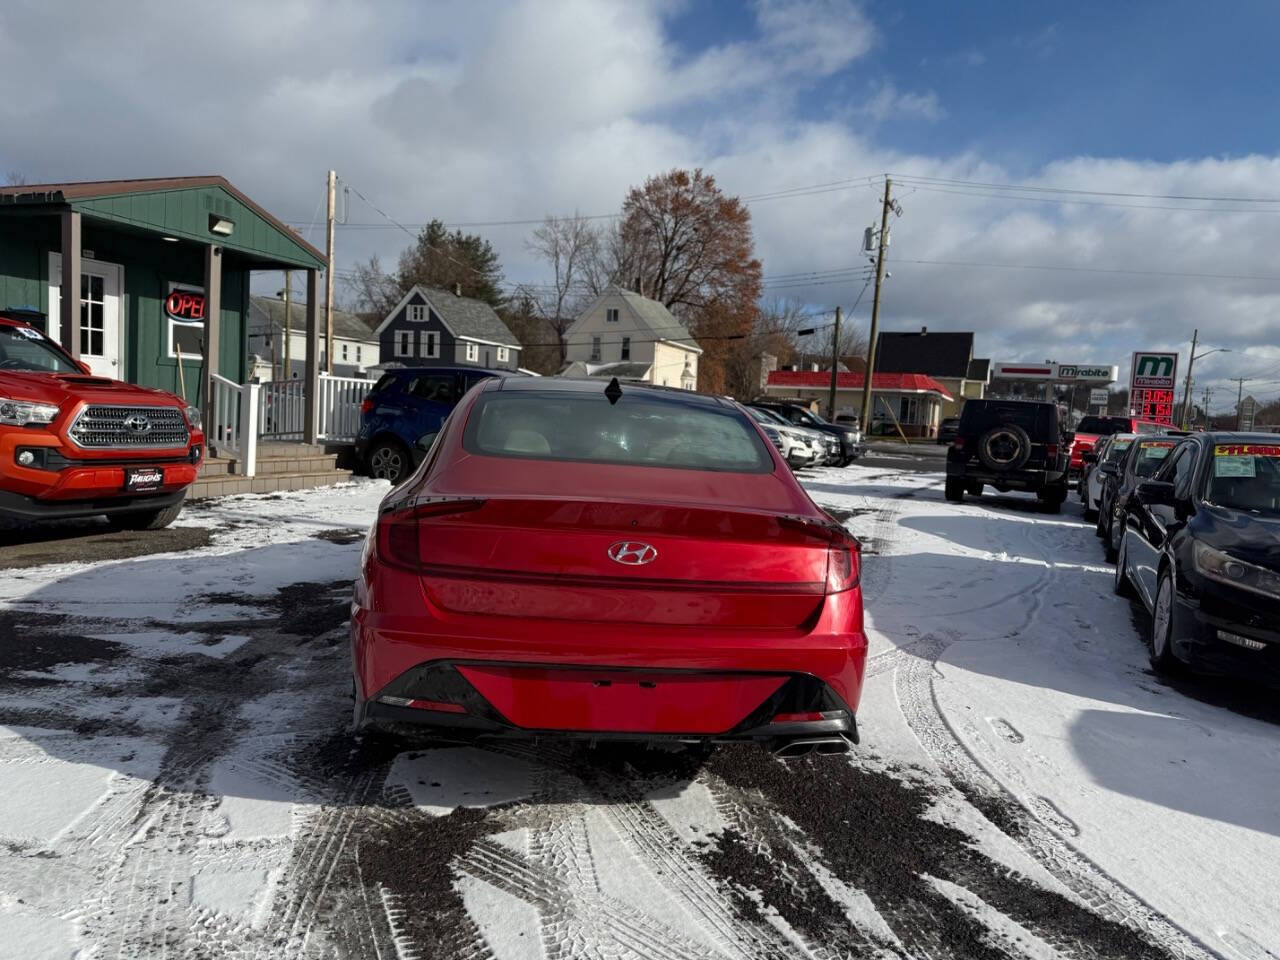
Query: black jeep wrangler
<point>1011,445</point>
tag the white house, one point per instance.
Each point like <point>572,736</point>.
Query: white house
<point>355,346</point>
<point>631,337</point>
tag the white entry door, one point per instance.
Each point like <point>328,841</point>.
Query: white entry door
<point>100,330</point>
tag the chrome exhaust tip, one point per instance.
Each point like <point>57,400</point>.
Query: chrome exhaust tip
<point>803,746</point>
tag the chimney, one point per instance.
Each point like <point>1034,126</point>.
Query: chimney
<point>923,331</point>
<point>457,289</point>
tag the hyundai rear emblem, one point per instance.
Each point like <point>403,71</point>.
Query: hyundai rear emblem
<point>633,553</point>
<point>137,423</point>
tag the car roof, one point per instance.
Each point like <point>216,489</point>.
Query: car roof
<point>562,385</point>
<point>1233,436</point>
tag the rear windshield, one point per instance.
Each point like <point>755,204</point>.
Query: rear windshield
<point>637,431</point>
<point>1245,477</point>
<point>383,383</point>
<point>1035,418</point>
<point>1103,426</point>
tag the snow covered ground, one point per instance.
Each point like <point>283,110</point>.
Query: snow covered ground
<point>175,777</point>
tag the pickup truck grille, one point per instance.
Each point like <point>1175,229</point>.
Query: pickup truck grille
<point>101,427</point>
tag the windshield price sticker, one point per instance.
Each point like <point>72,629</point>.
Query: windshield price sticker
<point>1234,466</point>
<point>1120,444</point>
<point>1156,445</point>
<point>1246,450</point>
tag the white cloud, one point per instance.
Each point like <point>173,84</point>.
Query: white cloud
<point>510,110</point>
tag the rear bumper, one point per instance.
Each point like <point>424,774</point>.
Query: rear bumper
<point>396,634</point>
<point>441,696</point>
<point>1011,480</point>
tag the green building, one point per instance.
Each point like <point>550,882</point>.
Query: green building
<point>163,269</point>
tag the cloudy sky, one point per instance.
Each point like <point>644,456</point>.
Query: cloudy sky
<point>501,111</point>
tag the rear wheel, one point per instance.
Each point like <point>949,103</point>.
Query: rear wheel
<point>389,460</point>
<point>147,519</point>
<point>1160,643</point>
<point>974,489</point>
<point>1052,498</point>
<point>954,490</point>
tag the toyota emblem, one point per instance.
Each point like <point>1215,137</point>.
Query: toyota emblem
<point>634,553</point>
<point>137,424</point>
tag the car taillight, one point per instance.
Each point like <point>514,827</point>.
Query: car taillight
<point>1051,451</point>
<point>842,566</point>
<point>398,533</point>
<point>366,406</point>
<point>958,443</point>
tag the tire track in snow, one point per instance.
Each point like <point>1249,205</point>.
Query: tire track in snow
<point>1034,831</point>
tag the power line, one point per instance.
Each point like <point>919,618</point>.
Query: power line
<point>1094,193</point>
<point>1077,269</point>
<point>1091,203</point>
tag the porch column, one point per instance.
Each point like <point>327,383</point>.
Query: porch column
<point>69,293</point>
<point>212,323</point>
<point>311,389</point>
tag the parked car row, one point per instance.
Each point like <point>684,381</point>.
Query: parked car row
<point>1192,523</point>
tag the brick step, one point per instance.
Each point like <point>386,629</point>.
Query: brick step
<point>223,486</point>
<point>296,463</point>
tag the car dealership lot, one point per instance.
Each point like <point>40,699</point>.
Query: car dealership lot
<point>177,777</point>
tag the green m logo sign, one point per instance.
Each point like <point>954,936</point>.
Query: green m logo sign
<point>1152,365</point>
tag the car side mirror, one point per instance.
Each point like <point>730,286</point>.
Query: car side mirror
<point>1108,469</point>
<point>1089,457</point>
<point>1156,493</point>
<point>426,440</point>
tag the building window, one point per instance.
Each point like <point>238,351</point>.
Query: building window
<point>403,343</point>
<point>503,354</point>
<point>344,351</point>
<point>611,315</point>
<point>417,313</point>
<point>473,352</point>
<point>428,344</point>
<point>909,410</point>
<point>595,348</point>
<point>626,349</point>
<point>357,353</point>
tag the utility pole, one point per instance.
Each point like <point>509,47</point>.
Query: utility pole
<point>1185,421</point>
<point>288,328</point>
<point>1240,382</point>
<point>328,278</point>
<point>1208,395</point>
<point>835,360</point>
<point>875,310</point>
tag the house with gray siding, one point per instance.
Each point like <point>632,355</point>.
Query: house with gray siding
<point>431,327</point>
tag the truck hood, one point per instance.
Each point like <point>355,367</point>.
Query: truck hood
<point>64,388</point>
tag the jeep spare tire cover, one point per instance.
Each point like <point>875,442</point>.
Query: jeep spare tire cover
<point>1006,447</point>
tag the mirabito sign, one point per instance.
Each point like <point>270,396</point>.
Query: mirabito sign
<point>1154,371</point>
<point>1055,372</point>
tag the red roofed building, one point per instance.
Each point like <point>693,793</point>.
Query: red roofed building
<point>914,400</point>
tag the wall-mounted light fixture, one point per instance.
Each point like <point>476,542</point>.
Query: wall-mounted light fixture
<point>221,225</point>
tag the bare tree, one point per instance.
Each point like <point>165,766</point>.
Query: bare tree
<point>570,246</point>
<point>15,179</point>
<point>370,291</point>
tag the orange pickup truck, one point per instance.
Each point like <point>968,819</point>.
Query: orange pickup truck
<point>77,445</point>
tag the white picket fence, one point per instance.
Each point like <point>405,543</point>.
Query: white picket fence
<point>243,414</point>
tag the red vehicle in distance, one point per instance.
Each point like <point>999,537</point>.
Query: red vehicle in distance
<point>1091,429</point>
<point>77,445</point>
<point>631,563</point>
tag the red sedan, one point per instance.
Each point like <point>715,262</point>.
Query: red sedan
<point>621,562</point>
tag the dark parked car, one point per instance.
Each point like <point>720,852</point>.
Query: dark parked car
<point>404,411</point>
<point>1141,462</point>
<point>849,437</point>
<point>948,430</point>
<point>1201,547</point>
<point>1011,445</point>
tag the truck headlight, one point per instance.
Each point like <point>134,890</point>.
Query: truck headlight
<point>18,413</point>
<point>1225,568</point>
<point>193,416</point>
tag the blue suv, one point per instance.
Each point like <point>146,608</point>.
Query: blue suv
<point>404,411</point>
